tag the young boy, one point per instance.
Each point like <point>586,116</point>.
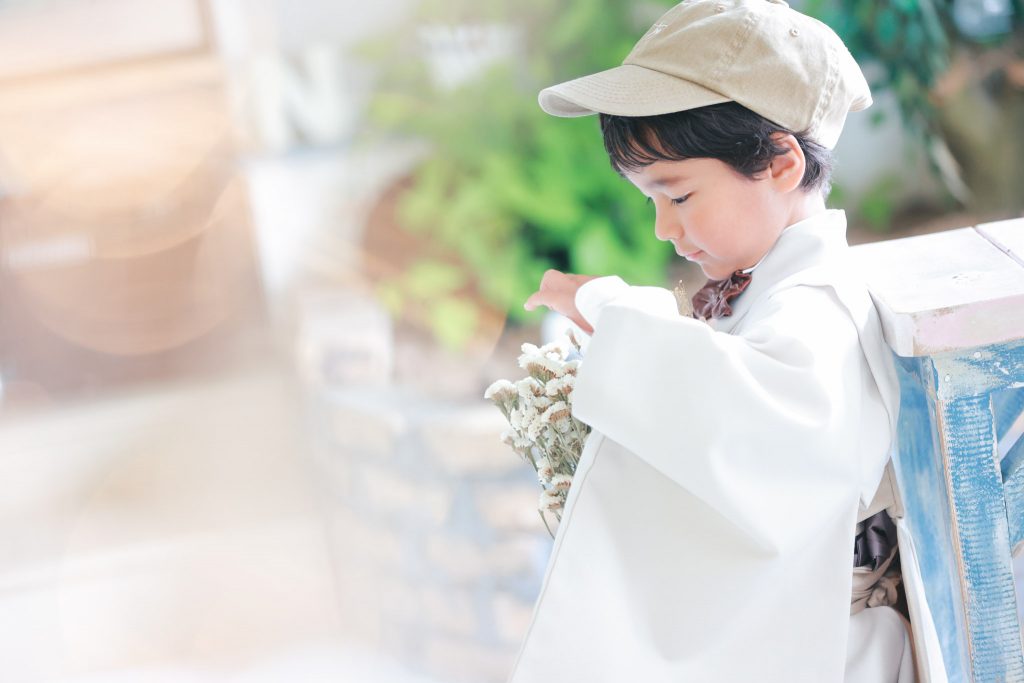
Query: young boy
<point>707,535</point>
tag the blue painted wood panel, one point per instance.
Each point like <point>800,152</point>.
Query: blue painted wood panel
<point>965,507</point>
<point>981,370</point>
<point>1007,407</point>
<point>967,434</point>
<point>1012,468</point>
<point>921,476</point>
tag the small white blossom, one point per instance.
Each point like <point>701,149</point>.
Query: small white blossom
<point>540,365</point>
<point>501,391</point>
<point>557,349</point>
<point>561,482</point>
<point>527,358</point>
<point>551,500</point>
<point>541,402</point>
<point>528,387</point>
<point>556,411</point>
<point>542,429</point>
<point>531,422</point>
<point>534,429</point>
<point>530,412</point>
<point>544,470</point>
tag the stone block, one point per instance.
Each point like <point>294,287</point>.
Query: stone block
<point>393,493</point>
<point>465,561</point>
<point>450,611</point>
<point>467,441</point>
<point>512,617</point>
<point>400,600</point>
<point>511,507</point>
<point>355,541</point>
<point>458,660</point>
<point>361,618</point>
<point>365,429</point>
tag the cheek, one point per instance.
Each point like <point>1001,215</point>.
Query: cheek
<point>734,215</point>
<point>711,223</point>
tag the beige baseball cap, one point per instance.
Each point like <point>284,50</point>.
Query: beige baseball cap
<point>788,67</point>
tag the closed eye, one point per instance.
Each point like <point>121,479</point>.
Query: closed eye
<point>676,201</point>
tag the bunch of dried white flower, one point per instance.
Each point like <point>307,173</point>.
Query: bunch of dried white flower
<point>542,428</point>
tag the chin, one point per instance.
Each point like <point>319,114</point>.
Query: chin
<point>714,273</point>
<point>709,272</point>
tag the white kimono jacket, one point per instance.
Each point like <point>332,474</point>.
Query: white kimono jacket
<point>708,534</point>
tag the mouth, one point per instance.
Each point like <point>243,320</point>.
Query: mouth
<point>692,255</point>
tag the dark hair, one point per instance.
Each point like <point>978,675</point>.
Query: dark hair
<point>728,132</point>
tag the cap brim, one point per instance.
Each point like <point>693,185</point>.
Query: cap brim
<point>627,90</point>
<point>861,103</point>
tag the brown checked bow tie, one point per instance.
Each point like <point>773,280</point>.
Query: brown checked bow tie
<point>712,300</point>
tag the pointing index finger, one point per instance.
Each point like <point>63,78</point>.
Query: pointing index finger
<point>532,301</point>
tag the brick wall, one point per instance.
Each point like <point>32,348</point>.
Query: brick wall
<point>437,545</point>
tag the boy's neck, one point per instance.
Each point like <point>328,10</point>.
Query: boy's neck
<point>809,204</point>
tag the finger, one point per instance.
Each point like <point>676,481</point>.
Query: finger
<point>551,278</point>
<point>584,325</point>
<point>534,300</point>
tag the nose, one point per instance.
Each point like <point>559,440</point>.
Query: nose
<point>666,225</point>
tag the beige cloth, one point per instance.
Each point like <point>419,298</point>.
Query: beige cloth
<point>875,588</point>
<point>880,641</point>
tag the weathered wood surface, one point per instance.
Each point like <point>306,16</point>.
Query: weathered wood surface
<point>980,370</point>
<point>921,476</point>
<point>1012,468</point>
<point>952,309</point>
<point>950,290</point>
<point>981,534</point>
<point>964,518</point>
<point>1008,407</point>
<point>1007,236</point>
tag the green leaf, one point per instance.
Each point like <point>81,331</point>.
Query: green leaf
<point>887,26</point>
<point>390,295</point>
<point>879,203</point>
<point>597,249</point>
<point>454,321</point>
<point>428,279</point>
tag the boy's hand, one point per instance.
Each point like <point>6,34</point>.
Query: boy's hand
<point>558,292</point>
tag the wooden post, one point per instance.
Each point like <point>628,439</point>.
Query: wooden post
<point>952,308</point>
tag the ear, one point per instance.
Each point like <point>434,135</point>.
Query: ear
<point>787,170</point>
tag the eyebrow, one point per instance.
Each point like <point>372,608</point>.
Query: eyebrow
<point>668,180</point>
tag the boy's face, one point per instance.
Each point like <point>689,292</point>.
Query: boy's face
<point>712,214</point>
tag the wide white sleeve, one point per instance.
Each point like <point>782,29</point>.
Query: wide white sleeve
<point>755,424</point>
<point>594,295</point>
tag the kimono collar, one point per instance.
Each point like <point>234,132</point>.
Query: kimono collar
<point>810,242</point>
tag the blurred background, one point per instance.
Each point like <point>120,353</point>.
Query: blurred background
<point>259,261</point>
